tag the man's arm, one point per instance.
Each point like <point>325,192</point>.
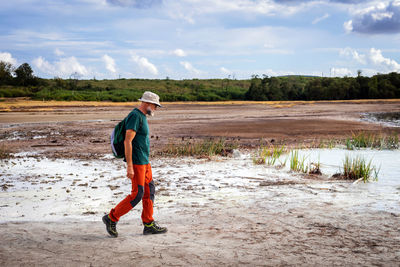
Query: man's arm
<point>129,135</point>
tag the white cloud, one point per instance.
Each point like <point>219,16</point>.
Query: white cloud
<point>354,54</point>
<point>348,26</point>
<point>189,10</point>
<point>225,71</point>
<point>188,66</point>
<point>179,52</point>
<point>377,58</point>
<point>341,72</point>
<point>110,63</point>
<point>43,65</point>
<point>134,3</point>
<point>315,21</point>
<point>7,57</point>
<point>65,67</point>
<point>58,52</point>
<point>373,58</point>
<point>144,64</point>
<point>382,15</point>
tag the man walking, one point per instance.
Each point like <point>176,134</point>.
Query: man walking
<point>137,150</point>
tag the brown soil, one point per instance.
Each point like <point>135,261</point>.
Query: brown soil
<point>84,131</point>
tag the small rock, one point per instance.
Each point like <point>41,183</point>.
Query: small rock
<point>113,187</point>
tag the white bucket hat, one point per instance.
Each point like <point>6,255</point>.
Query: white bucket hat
<point>150,97</point>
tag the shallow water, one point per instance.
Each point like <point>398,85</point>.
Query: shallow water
<point>386,118</point>
<point>386,189</point>
<point>36,189</point>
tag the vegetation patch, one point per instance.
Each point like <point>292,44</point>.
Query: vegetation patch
<point>269,155</point>
<point>5,152</point>
<point>204,148</point>
<point>297,163</point>
<point>21,82</point>
<point>371,140</point>
<point>358,168</point>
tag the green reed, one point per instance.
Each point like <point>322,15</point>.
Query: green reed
<point>358,168</point>
<point>209,147</point>
<point>297,163</point>
<point>371,140</point>
<point>269,154</point>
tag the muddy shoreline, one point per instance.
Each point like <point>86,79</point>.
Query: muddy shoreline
<point>71,132</point>
<point>223,211</point>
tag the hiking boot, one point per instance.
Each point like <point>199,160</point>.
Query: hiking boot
<point>153,228</point>
<point>110,226</point>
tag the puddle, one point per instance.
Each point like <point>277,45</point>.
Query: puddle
<point>386,191</point>
<point>385,118</point>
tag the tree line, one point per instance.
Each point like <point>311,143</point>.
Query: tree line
<point>22,76</point>
<point>380,86</point>
<point>20,81</point>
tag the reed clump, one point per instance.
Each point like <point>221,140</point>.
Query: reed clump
<point>297,163</point>
<point>269,155</point>
<point>359,168</point>
<point>371,140</point>
<point>204,148</point>
<point>330,144</point>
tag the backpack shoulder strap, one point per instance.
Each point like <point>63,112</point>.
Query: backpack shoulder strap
<point>130,115</point>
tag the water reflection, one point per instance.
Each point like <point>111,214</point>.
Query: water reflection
<point>388,118</point>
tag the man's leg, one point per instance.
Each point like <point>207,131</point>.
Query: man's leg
<point>150,226</point>
<point>134,198</point>
<point>148,196</point>
<point>129,202</point>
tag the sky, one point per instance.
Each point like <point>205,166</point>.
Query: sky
<point>156,39</point>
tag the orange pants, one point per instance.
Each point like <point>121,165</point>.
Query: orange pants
<point>143,189</point>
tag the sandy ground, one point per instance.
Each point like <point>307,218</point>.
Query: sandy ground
<point>220,212</point>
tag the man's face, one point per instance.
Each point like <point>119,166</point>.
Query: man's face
<point>151,108</point>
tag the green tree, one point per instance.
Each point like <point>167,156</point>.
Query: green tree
<point>257,90</point>
<point>275,92</point>
<point>362,85</point>
<point>373,88</point>
<point>386,89</point>
<point>6,70</point>
<point>314,90</point>
<point>24,75</point>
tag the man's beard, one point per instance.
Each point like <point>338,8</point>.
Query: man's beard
<point>149,112</point>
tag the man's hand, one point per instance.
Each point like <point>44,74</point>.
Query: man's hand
<point>129,172</point>
<point>130,134</point>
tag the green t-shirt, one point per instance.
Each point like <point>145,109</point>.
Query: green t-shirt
<point>137,121</point>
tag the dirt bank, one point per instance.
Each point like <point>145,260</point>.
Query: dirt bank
<point>84,131</point>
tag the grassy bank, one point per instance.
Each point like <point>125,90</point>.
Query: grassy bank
<point>292,87</point>
<point>124,90</point>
